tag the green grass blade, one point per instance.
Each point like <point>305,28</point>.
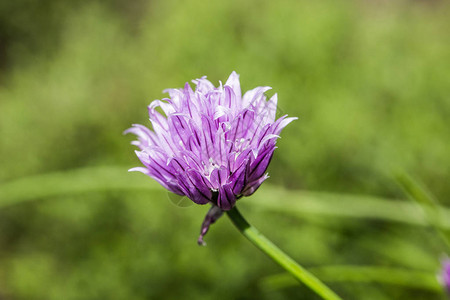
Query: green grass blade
<point>300,203</point>
<point>72,182</point>
<point>427,202</point>
<point>367,274</point>
<point>270,197</point>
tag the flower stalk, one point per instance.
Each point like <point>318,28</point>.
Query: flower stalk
<point>281,258</point>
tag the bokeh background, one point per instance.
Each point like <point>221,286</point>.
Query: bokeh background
<point>369,81</point>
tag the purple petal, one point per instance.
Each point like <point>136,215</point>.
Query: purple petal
<point>269,139</point>
<point>229,99</point>
<point>157,118</point>
<point>179,130</point>
<point>258,134</point>
<point>214,213</point>
<point>271,107</point>
<point>280,124</point>
<point>233,82</point>
<point>199,183</point>
<point>209,130</point>
<point>239,127</point>
<point>203,85</point>
<point>166,107</point>
<point>221,111</point>
<point>218,177</point>
<point>226,198</point>
<point>259,166</point>
<point>253,97</point>
<point>190,107</point>
<point>253,186</point>
<point>178,165</point>
<point>146,136</point>
<point>194,192</point>
<point>219,147</point>
<point>238,178</point>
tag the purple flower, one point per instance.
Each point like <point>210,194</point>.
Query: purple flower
<point>212,144</point>
<point>445,274</point>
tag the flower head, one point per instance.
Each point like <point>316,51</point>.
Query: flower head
<point>212,144</point>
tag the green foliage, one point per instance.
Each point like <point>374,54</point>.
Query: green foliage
<point>404,277</point>
<point>368,81</point>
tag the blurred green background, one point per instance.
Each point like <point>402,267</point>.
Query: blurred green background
<point>369,81</point>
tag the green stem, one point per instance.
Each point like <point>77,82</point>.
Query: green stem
<point>426,201</point>
<point>266,246</point>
